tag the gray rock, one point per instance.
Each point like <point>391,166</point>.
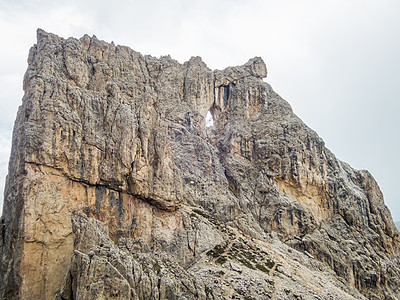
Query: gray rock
<point>111,157</point>
<point>236,267</point>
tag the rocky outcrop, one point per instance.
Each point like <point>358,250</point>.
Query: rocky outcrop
<point>117,189</point>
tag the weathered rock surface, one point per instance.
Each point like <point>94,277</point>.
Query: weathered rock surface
<point>117,190</point>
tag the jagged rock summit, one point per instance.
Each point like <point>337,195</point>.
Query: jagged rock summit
<point>117,189</point>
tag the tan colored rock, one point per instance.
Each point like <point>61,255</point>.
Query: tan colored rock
<point>117,190</point>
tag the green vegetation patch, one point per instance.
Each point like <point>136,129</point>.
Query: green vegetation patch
<point>240,292</point>
<point>250,256</point>
<point>262,268</point>
<point>216,252</point>
<point>270,263</point>
<point>233,253</point>
<point>221,260</point>
<point>209,292</point>
<point>246,262</point>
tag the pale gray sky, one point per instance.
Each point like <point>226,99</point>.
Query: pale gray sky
<point>336,62</point>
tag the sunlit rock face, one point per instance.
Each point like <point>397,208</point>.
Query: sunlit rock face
<point>134,177</point>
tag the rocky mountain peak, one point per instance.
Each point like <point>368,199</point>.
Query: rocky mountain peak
<point>117,189</point>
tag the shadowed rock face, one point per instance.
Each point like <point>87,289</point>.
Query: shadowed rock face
<point>117,189</point>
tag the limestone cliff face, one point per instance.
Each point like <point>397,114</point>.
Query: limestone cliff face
<point>117,190</point>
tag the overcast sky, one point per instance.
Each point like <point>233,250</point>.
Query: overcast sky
<point>336,62</point>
